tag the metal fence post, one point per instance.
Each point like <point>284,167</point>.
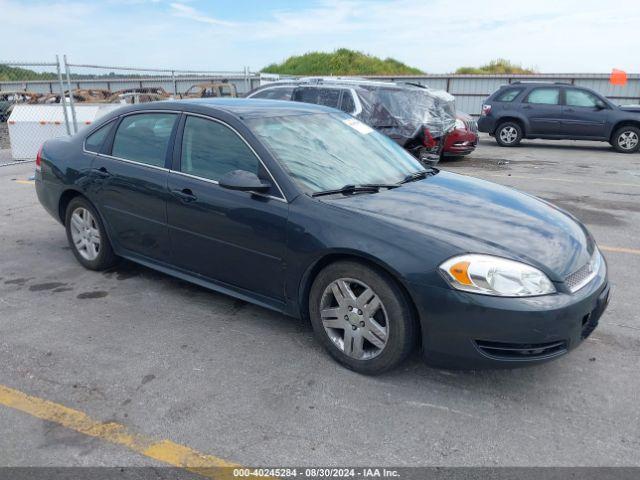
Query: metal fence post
<point>247,85</point>
<point>173,81</point>
<point>63,100</point>
<point>71,104</point>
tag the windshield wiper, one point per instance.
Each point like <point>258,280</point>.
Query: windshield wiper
<point>412,177</point>
<point>350,189</point>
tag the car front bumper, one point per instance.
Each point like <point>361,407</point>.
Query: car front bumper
<point>472,331</point>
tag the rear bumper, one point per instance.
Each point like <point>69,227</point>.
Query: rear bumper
<point>486,124</point>
<point>470,331</point>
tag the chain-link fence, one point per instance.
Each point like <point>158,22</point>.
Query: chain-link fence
<point>40,100</point>
<point>29,111</point>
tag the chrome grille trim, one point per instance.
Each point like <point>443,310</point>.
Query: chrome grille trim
<point>581,277</point>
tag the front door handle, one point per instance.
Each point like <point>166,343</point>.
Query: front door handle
<point>569,110</point>
<point>186,195</point>
<point>527,107</point>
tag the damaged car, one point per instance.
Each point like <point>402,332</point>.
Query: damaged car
<point>414,116</point>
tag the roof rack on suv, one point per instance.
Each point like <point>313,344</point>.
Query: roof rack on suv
<point>538,81</point>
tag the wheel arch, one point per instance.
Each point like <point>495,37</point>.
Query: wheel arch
<point>332,257</point>
<point>65,200</point>
<point>623,123</point>
<point>511,118</point>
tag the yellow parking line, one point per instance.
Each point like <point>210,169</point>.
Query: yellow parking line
<point>633,251</point>
<point>164,451</point>
<point>567,180</point>
<point>25,182</point>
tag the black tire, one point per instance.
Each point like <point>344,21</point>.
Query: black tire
<point>401,325</point>
<point>512,128</point>
<point>631,134</point>
<point>105,258</point>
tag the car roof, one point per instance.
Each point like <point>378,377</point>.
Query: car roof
<point>255,108</point>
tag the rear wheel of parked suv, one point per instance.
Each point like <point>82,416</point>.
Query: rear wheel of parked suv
<point>508,134</point>
<point>87,236</point>
<point>362,317</point>
<point>626,139</point>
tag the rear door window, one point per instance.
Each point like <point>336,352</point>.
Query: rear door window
<point>279,93</point>
<point>144,138</point>
<point>544,96</point>
<point>328,97</point>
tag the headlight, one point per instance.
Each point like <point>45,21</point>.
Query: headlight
<point>460,124</point>
<point>490,275</point>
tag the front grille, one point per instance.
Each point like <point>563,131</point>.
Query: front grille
<point>521,351</point>
<point>471,125</point>
<point>581,277</point>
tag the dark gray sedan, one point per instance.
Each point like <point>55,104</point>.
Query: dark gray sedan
<point>305,210</point>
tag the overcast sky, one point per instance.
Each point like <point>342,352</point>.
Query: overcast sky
<point>435,36</point>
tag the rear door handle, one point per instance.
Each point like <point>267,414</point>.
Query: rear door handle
<point>526,106</point>
<point>569,110</point>
<point>102,172</point>
<point>186,195</point>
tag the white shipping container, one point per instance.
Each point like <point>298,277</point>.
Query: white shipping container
<point>31,125</point>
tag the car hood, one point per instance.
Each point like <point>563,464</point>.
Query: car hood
<point>630,108</point>
<point>472,215</point>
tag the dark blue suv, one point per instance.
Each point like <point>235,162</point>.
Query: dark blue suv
<point>558,111</point>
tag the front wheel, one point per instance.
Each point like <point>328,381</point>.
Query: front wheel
<point>626,139</point>
<point>508,134</point>
<point>361,317</point>
<point>87,236</point>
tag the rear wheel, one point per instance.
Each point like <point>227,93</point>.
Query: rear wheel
<point>361,317</point>
<point>87,236</point>
<point>626,139</point>
<point>508,134</point>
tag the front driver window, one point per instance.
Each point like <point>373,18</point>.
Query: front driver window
<point>544,96</point>
<point>210,149</point>
<point>581,98</point>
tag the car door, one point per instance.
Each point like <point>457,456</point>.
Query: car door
<point>543,109</point>
<point>233,237</point>
<point>584,114</point>
<point>131,180</point>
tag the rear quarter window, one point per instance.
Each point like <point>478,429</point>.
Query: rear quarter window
<point>508,95</point>
<point>94,142</point>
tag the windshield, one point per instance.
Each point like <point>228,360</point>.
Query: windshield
<point>327,151</point>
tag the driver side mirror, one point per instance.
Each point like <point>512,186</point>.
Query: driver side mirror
<point>243,181</point>
<point>600,105</point>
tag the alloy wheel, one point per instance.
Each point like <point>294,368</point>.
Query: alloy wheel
<point>508,134</point>
<point>628,140</point>
<point>354,318</point>
<point>85,233</point>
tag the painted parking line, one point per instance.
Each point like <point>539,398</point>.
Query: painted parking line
<point>606,248</point>
<point>164,451</point>
<point>25,182</point>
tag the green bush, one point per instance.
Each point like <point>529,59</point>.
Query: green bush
<point>495,67</point>
<point>341,62</point>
